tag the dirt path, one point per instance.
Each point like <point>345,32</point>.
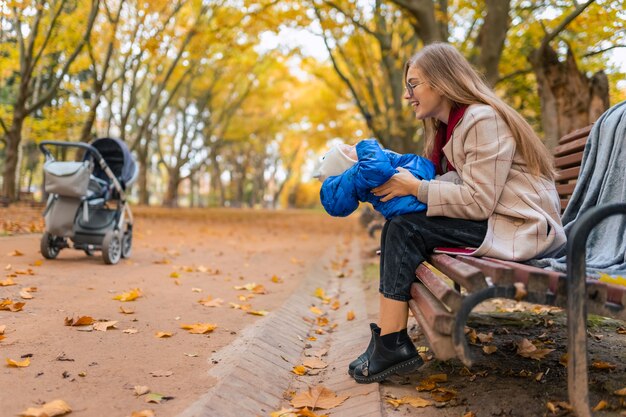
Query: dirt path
<point>179,257</point>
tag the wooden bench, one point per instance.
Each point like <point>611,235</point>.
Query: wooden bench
<point>442,310</point>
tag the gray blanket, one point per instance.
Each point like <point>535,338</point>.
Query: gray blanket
<point>602,180</point>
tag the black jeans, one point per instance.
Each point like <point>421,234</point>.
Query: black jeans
<point>407,240</point>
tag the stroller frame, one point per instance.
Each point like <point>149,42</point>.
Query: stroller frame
<point>95,226</point>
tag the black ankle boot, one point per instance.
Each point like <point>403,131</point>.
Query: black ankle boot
<point>384,362</point>
<point>365,355</point>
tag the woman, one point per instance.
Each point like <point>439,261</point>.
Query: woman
<point>506,205</point>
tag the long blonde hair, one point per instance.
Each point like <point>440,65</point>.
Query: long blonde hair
<point>448,72</point>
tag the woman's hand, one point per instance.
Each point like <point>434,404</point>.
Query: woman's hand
<point>400,184</point>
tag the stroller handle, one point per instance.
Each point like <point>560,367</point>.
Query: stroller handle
<point>87,147</point>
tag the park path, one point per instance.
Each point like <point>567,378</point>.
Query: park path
<point>179,258</point>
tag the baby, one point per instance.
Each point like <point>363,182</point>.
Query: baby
<point>350,172</point>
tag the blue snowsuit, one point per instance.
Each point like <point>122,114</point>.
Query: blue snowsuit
<point>340,195</point>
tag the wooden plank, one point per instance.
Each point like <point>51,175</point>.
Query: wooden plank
<point>568,174</point>
<point>441,345</point>
<point>449,296</point>
<point>576,134</point>
<point>570,147</point>
<point>569,160</point>
<point>527,274</point>
<point>435,313</point>
<point>565,189</point>
<point>500,274</point>
<point>463,274</point>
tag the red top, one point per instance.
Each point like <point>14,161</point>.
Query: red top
<point>443,135</point>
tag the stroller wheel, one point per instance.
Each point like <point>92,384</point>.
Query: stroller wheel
<point>127,244</point>
<point>48,248</point>
<point>111,247</point>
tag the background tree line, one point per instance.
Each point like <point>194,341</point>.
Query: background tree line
<point>213,111</point>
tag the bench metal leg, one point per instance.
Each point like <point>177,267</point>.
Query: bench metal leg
<point>577,378</point>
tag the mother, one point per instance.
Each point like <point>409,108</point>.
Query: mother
<point>505,205</point>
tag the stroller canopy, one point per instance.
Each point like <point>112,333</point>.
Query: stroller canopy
<point>118,157</point>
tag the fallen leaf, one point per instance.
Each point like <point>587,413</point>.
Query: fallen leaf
<point>314,363</point>
<point>81,321</point>
<point>603,365</point>
<point>3,328</point>
<point>299,370</point>
<point>317,397</point>
<point>199,328</point>
<point>528,350</point>
<point>16,253</point>
<point>191,355</point>
<point>163,334</point>
<point>213,303</point>
<point>555,407</point>
<point>316,310</point>
<point>156,398</point>
<point>276,279</point>
<point>174,275</point>
<point>141,390</point>
<point>471,334</point>
<point>163,261</point>
<point>196,290</point>
<point>7,282</point>
<point>103,326</point>
<point>335,305</point>
<point>38,262</point>
<point>25,293</point>
<point>410,400</point>
<point>129,296</point>
<point>319,293</point>
<point>311,338</point>
<point>489,349</point>
<point>600,406</point>
<point>258,313</point>
<point>620,392</point>
<point>285,412</point>
<point>51,409</point>
<point>485,338</point>
<point>469,414</point>
<point>161,373</point>
<point>443,394</point>
<point>350,316</point>
<point>130,331</point>
<point>15,364</point>
<point>143,413</point>
<point>125,310</point>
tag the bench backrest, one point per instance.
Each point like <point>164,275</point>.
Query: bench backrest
<point>568,156</point>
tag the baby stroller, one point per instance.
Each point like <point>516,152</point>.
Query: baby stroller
<point>87,201</point>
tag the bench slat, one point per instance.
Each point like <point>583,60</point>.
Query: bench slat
<point>500,274</point>
<point>569,161</point>
<point>467,276</point>
<point>578,133</point>
<point>432,309</point>
<point>565,189</point>
<point>441,345</point>
<point>570,147</point>
<point>568,174</point>
<point>449,296</point>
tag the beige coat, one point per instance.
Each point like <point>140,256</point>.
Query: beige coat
<point>497,186</point>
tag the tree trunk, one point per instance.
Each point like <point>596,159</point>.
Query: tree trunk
<point>171,195</point>
<point>144,194</point>
<point>13,140</point>
<point>569,99</point>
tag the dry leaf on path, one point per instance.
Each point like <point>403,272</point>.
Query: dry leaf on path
<point>25,293</point>
<point>7,282</point>
<point>317,397</point>
<point>199,328</point>
<point>16,253</point>
<point>3,328</point>
<point>600,406</point>
<point>319,293</point>
<point>316,310</point>
<point>485,338</point>
<point>9,305</point>
<point>430,383</point>
<point>174,275</point>
<point>125,310</point>
<point>103,326</point>
<point>163,334</point>
<point>129,296</point>
<point>410,400</point>
<point>161,373</point>
<point>603,365</point>
<point>51,409</point>
<point>130,331</point>
<point>212,303</point>
<point>314,363</point>
<point>350,316</point>
<point>443,395</point>
<point>81,321</point>
<point>258,312</point>
<point>620,392</point>
<point>141,390</point>
<point>15,364</point>
<point>489,349</point>
<point>143,413</point>
<point>276,279</point>
<point>299,370</point>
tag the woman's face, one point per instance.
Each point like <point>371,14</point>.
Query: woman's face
<point>424,100</point>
